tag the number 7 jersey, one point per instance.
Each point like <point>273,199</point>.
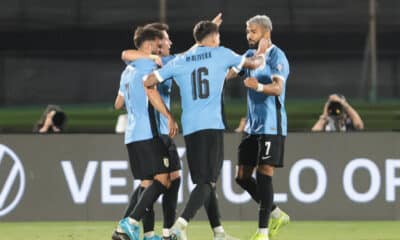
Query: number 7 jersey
<point>200,74</point>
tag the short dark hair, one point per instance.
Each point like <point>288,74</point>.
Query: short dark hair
<point>157,25</point>
<point>145,34</point>
<point>203,29</point>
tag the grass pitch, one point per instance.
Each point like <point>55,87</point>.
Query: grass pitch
<point>304,230</point>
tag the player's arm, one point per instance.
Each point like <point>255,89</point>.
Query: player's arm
<point>159,105</point>
<point>150,81</point>
<point>231,74</point>
<point>322,120</point>
<point>217,20</point>
<point>132,55</point>
<point>272,89</point>
<point>354,116</point>
<point>119,101</point>
<point>259,57</point>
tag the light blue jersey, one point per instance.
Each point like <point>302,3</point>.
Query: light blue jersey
<point>164,89</point>
<point>200,74</point>
<point>141,119</point>
<point>267,114</point>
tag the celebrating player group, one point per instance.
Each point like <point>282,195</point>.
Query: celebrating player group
<point>200,73</point>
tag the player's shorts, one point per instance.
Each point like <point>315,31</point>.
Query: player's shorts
<point>148,158</point>
<point>262,149</point>
<point>205,152</point>
<point>174,161</point>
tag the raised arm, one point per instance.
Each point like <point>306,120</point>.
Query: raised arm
<point>321,122</point>
<point>259,57</point>
<point>254,62</point>
<point>354,116</point>
<point>132,55</point>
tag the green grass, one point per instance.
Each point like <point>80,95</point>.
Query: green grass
<point>302,114</point>
<point>307,230</point>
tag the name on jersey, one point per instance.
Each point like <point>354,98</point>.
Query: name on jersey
<point>198,57</point>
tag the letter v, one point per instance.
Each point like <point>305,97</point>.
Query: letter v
<point>79,194</point>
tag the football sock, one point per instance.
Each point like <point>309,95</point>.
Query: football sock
<point>265,191</point>
<point>218,229</point>
<point>133,221</point>
<point>148,198</point>
<point>199,194</point>
<point>276,212</point>
<point>166,232</point>
<point>148,234</point>
<point>169,203</point>
<point>212,209</point>
<point>250,185</point>
<point>274,207</point>
<point>182,222</point>
<point>134,199</point>
<point>263,231</point>
<point>148,220</point>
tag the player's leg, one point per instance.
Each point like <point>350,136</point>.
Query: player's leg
<point>197,152</point>
<point>137,172</point>
<point>170,198</point>
<point>132,203</point>
<point>148,220</point>
<point>269,157</point>
<point>169,204</point>
<point>247,160</point>
<point>215,162</point>
<point>265,190</point>
<point>156,154</point>
<point>214,217</point>
<point>278,217</point>
<point>133,200</point>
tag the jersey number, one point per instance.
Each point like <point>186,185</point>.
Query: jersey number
<point>267,148</point>
<point>200,85</point>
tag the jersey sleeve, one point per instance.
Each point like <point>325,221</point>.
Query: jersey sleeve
<point>121,90</point>
<point>167,71</point>
<point>279,66</point>
<point>232,59</point>
<point>166,59</point>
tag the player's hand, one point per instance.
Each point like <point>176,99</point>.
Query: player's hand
<point>156,59</point>
<point>173,127</point>
<point>251,83</point>
<point>218,19</point>
<point>263,45</point>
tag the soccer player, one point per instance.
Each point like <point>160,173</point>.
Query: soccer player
<point>200,73</point>
<point>164,88</point>
<point>262,146</point>
<point>148,155</point>
<point>169,201</point>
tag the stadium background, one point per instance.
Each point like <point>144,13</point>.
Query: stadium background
<point>68,53</point>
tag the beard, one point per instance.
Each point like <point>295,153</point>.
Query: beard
<point>253,45</point>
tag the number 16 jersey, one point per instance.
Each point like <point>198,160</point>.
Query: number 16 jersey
<point>200,74</point>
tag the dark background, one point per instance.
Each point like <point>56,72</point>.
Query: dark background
<point>69,51</point>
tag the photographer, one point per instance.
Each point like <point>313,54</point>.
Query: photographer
<point>52,120</point>
<point>338,116</point>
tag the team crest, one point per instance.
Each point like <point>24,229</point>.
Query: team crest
<point>279,67</point>
<point>166,162</point>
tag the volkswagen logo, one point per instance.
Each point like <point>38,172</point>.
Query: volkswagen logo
<point>12,181</point>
